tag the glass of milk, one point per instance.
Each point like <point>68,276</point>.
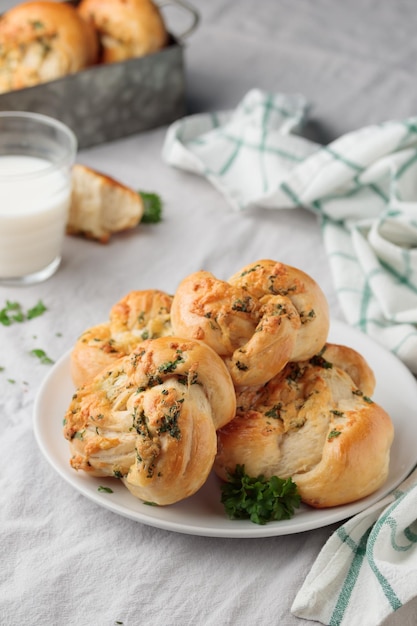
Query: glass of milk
<point>36,157</point>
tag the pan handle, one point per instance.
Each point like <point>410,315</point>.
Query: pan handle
<point>188,8</point>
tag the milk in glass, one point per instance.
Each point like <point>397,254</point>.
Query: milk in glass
<point>34,203</point>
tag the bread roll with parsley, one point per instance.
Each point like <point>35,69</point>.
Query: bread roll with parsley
<point>41,41</point>
<point>101,205</point>
<point>126,28</point>
<point>352,362</point>
<point>151,419</point>
<point>137,316</point>
<point>260,319</point>
<point>312,423</point>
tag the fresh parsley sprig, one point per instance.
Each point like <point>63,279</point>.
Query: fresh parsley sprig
<point>259,499</point>
<point>42,356</point>
<point>153,207</point>
<point>13,312</point>
<point>104,489</point>
<point>36,311</point>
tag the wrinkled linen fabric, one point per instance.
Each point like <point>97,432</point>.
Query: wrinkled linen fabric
<point>362,187</point>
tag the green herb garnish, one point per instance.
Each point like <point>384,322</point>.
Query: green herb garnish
<point>169,422</point>
<point>259,499</point>
<point>42,356</point>
<point>153,207</point>
<point>104,489</point>
<point>274,412</point>
<point>36,311</point>
<point>243,305</point>
<point>170,366</point>
<point>13,312</point>
<point>333,434</point>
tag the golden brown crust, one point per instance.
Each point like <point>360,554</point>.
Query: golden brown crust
<point>264,316</point>
<point>137,316</point>
<point>41,41</point>
<point>126,28</point>
<point>353,364</point>
<point>311,422</point>
<point>268,279</point>
<point>151,419</point>
<point>354,464</point>
<point>92,352</point>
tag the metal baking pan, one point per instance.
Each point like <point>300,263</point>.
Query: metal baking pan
<point>108,102</point>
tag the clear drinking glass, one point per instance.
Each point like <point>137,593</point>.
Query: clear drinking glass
<point>36,157</point>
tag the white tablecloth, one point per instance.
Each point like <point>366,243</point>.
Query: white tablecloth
<point>66,561</point>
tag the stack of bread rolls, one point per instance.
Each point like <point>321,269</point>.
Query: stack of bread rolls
<point>42,40</point>
<point>227,373</point>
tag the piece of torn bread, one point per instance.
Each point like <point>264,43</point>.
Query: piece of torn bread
<point>101,205</point>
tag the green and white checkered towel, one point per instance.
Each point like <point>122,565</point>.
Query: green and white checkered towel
<point>362,186</point>
<point>368,567</point>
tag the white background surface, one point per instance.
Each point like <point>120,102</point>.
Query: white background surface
<point>64,560</point>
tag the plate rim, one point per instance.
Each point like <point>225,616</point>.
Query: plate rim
<point>229,528</point>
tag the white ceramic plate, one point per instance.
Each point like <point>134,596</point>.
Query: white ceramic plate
<point>203,513</point>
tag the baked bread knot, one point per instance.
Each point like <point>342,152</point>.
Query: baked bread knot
<point>314,424</point>
<point>151,419</point>
<point>126,28</point>
<point>42,41</point>
<point>138,316</point>
<point>260,319</point>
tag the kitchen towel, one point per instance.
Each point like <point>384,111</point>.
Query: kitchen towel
<point>362,187</point>
<point>368,567</point>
